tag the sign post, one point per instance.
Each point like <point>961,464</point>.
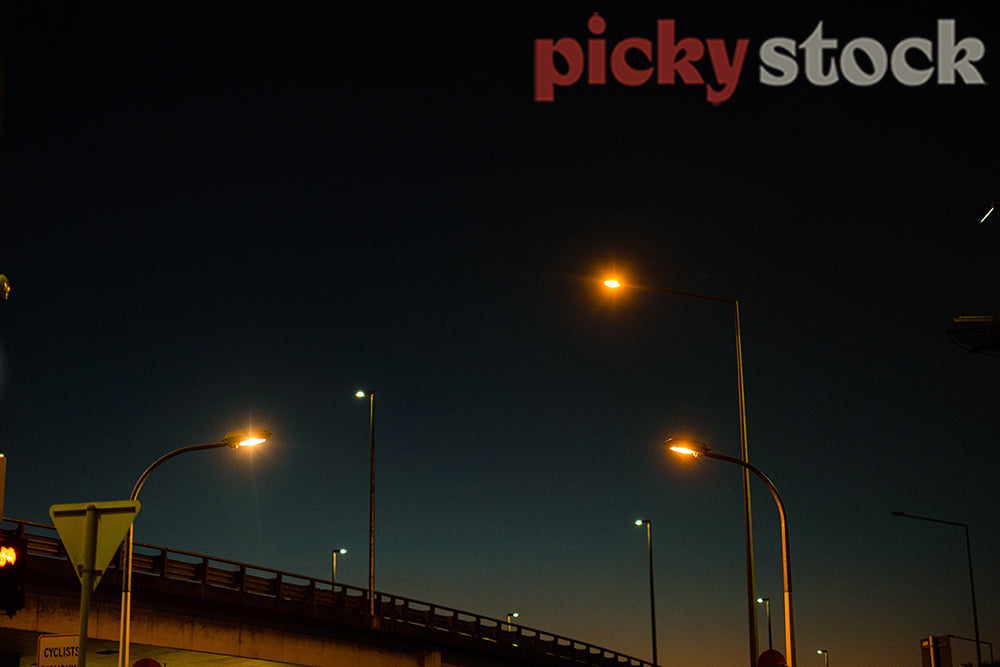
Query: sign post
<point>91,534</point>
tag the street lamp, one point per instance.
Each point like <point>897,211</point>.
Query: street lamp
<point>652,597</point>
<point>767,608</point>
<point>510,628</point>
<point>972,582</point>
<point>361,393</point>
<point>333,574</point>
<point>613,283</point>
<point>826,655</point>
<point>697,449</point>
<point>233,440</point>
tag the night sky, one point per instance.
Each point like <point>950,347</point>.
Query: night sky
<point>215,219</point>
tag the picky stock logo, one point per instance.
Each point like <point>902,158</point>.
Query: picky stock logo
<point>863,61</point>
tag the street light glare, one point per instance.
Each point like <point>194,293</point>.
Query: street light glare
<point>612,283</point>
<point>247,437</point>
<point>360,393</point>
<point>686,447</point>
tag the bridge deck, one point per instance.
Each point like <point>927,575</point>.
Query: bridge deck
<point>171,579</point>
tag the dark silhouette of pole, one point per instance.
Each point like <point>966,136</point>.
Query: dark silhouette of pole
<point>652,596</point>
<point>371,501</point>
<point>972,581</point>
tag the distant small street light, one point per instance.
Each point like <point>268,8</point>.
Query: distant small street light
<point>652,596</point>
<point>333,575</point>
<point>972,581</point>
<point>361,393</point>
<point>767,608</point>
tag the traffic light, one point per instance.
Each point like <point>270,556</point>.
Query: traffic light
<point>13,554</point>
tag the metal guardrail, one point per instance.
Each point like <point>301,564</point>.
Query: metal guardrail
<point>221,574</point>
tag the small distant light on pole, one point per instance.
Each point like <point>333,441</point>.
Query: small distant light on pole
<point>613,284</point>
<point>360,393</point>
<point>638,522</point>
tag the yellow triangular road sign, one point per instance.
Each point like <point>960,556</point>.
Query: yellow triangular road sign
<point>112,521</point>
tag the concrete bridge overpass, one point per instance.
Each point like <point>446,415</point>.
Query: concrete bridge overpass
<point>189,609</point>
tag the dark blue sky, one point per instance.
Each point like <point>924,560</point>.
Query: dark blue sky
<point>219,219</point>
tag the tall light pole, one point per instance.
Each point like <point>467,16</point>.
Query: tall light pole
<point>696,449</point>
<point>826,655</point>
<point>748,524</point>
<point>361,393</point>
<point>767,608</point>
<point>972,581</point>
<point>652,597</point>
<point>333,571</point>
<point>233,440</point>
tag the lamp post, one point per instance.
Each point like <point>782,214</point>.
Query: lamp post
<point>826,655</point>
<point>748,525</point>
<point>510,627</point>
<point>696,449</point>
<point>333,572</point>
<point>972,581</point>
<point>233,440</point>
<point>361,393</point>
<point>652,597</point>
<point>767,608</point>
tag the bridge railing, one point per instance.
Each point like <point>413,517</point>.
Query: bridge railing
<point>219,573</point>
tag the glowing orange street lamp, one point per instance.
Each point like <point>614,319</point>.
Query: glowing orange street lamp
<point>615,283</point>
<point>697,449</point>
<point>233,440</point>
